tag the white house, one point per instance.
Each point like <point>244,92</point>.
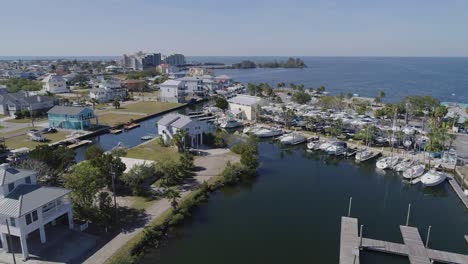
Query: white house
<point>27,206</point>
<point>108,90</point>
<point>171,123</point>
<point>54,83</point>
<point>173,91</point>
<point>245,106</point>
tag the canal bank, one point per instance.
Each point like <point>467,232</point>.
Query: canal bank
<point>291,213</point>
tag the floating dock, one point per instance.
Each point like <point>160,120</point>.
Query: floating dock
<point>115,131</point>
<point>131,126</point>
<point>458,190</point>
<point>79,144</point>
<point>413,248</point>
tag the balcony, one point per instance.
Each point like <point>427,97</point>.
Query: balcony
<point>54,212</point>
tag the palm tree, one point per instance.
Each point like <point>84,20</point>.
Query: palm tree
<point>381,95</point>
<point>173,196</point>
<point>179,138</point>
<point>94,101</point>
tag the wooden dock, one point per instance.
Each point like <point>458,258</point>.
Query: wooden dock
<point>79,144</point>
<point>413,246</point>
<point>458,190</point>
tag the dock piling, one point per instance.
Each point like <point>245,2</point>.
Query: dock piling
<point>349,207</point>
<point>408,214</point>
<point>428,235</point>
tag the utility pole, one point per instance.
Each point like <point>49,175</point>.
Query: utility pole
<point>112,173</point>
<point>10,242</point>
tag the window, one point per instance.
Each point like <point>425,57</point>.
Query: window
<point>27,180</point>
<point>31,217</point>
<point>34,215</point>
<point>28,219</point>
<point>12,222</point>
<point>11,186</point>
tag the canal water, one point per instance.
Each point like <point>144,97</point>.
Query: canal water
<point>131,138</point>
<point>291,213</point>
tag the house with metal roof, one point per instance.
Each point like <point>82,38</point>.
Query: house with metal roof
<point>245,106</point>
<point>54,83</point>
<point>71,117</point>
<point>12,103</point>
<point>173,91</point>
<point>195,128</point>
<point>26,207</point>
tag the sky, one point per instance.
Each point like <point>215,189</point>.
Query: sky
<point>234,28</point>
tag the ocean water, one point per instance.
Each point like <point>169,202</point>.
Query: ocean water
<point>443,78</point>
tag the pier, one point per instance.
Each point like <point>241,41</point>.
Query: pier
<point>413,247</point>
<point>458,190</point>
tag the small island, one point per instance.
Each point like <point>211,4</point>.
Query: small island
<point>290,63</point>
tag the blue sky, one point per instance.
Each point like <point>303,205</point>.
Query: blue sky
<point>241,27</point>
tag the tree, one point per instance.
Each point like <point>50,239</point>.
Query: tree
<point>94,101</point>
<point>381,95</point>
<point>268,90</point>
<point>85,181</point>
<point>221,102</point>
<point>179,139</point>
<point>116,102</point>
<point>93,151</point>
<point>171,172</point>
<point>321,89</point>
<point>301,97</point>
<point>173,196</point>
<point>105,212</point>
<point>249,159</point>
<point>136,177</point>
<point>58,159</point>
<point>349,96</point>
<point>377,100</point>
<point>186,160</point>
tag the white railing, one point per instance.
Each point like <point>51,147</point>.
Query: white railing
<point>55,211</point>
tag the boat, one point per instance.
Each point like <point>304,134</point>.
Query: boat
<point>337,148</point>
<point>404,165</point>
<point>115,131</point>
<point>251,129</point>
<point>268,132</point>
<point>146,137</point>
<point>433,177</point>
<point>350,152</point>
<point>231,123</point>
<point>387,162</point>
<point>365,155</point>
<point>292,139</point>
<point>131,126</point>
<point>18,154</point>
<point>414,172</point>
<point>381,140</point>
<point>314,145</point>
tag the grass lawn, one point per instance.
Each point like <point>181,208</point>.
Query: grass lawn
<point>13,132</point>
<point>140,202</point>
<point>24,141</point>
<point>113,119</point>
<point>148,108</point>
<point>25,120</point>
<point>152,151</point>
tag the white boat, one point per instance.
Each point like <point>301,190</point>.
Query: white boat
<point>326,145</point>
<point>146,137</point>
<point>414,172</point>
<point>404,165</point>
<point>363,155</point>
<point>314,145</point>
<point>387,162</point>
<point>251,129</point>
<point>433,178</point>
<point>337,148</point>
<point>292,139</point>
<point>231,123</point>
<point>268,132</point>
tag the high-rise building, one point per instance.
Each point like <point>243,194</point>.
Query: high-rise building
<point>175,59</point>
<point>141,61</point>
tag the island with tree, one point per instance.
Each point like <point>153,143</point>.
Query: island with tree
<point>289,63</point>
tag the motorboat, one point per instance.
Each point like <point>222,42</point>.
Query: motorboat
<point>350,152</point>
<point>381,140</point>
<point>292,139</point>
<point>251,129</point>
<point>414,171</point>
<point>433,177</point>
<point>325,145</point>
<point>268,132</point>
<point>403,165</point>
<point>337,148</point>
<point>148,137</point>
<point>231,123</point>
<point>364,155</point>
<point>314,145</point>
<point>387,162</point>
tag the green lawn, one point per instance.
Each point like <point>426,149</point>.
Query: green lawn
<point>152,151</point>
<point>148,108</point>
<point>13,132</point>
<point>24,141</point>
<point>25,120</point>
<point>140,202</point>
<point>113,119</point>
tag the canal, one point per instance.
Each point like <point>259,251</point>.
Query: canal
<point>291,213</point>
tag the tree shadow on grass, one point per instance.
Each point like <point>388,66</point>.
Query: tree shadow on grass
<point>130,218</point>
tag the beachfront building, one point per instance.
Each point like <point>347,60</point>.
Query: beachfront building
<point>54,83</point>
<point>141,61</point>
<point>173,91</point>
<point>171,123</point>
<point>12,103</point>
<point>107,91</point>
<point>71,117</point>
<point>28,207</point>
<point>223,80</point>
<point>245,106</point>
<point>175,59</point>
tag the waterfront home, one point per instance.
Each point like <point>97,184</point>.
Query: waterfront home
<point>12,103</point>
<point>71,117</point>
<point>171,123</point>
<point>223,80</point>
<point>173,91</point>
<point>134,85</point>
<point>199,72</point>
<point>245,106</point>
<point>198,85</point>
<point>54,83</point>
<point>107,91</point>
<point>27,207</point>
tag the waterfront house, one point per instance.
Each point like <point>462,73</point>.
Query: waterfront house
<point>28,207</point>
<point>223,80</point>
<point>54,83</point>
<point>171,123</point>
<point>245,106</point>
<point>173,91</point>
<point>12,103</point>
<point>107,91</point>
<point>71,117</point>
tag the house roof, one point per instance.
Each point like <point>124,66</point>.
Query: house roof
<point>69,110</point>
<point>26,198</point>
<point>53,77</point>
<point>9,174</point>
<point>23,99</point>
<point>171,83</point>
<point>223,77</point>
<point>175,120</point>
<point>245,100</point>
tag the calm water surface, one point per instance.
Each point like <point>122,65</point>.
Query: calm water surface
<point>291,213</point>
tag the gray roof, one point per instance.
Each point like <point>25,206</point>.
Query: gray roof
<point>175,120</point>
<point>21,98</point>
<point>10,174</point>
<point>69,110</point>
<point>245,100</point>
<point>26,198</point>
